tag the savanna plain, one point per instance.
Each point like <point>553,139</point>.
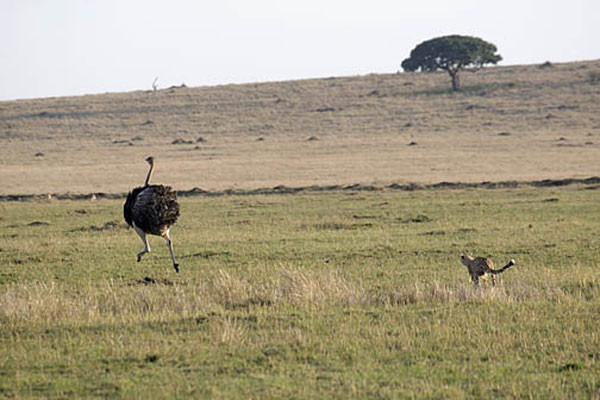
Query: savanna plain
<point>320,259</point>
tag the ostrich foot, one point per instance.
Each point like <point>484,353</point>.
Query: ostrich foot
<point>140,254</point>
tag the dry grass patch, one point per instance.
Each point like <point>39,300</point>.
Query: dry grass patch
<point>441,293</point>
<point>363,134</point>
<point>50,303</point>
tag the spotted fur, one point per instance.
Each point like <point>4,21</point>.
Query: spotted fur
<point>481,267</point>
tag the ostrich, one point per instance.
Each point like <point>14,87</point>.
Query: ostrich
<point>152,209</point>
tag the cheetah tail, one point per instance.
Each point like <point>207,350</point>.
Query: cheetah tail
<point>507,266</point>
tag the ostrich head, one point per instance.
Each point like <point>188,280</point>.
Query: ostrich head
<point>150,161</point>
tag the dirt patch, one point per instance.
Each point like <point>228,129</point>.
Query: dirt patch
<point>182,141</point>
<point>152,281</point>
<point>433,233</point>
<point>335,226</point>
<point>206,254</point>
<point>38,223</point>
<point>108,226</point>
<point>419,218</point>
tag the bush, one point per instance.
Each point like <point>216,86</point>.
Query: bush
<point>594,77</point>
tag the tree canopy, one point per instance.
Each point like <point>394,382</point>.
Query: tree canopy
<point>452,54</point>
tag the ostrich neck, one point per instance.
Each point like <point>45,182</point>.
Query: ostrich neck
<point>149,175</point>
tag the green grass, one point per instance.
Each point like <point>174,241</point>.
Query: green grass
<point>339,294</point>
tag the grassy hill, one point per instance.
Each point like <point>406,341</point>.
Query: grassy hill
<point>508,123</point>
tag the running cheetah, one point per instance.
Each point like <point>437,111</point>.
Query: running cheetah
<point>480,267</point>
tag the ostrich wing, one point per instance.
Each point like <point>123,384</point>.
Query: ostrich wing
<point>155,209</point>
<point>129,204</point>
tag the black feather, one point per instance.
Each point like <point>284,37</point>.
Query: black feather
<point>128,207</point>
<point>152,208</point>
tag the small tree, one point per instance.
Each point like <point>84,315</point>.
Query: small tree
<point>451,53</point>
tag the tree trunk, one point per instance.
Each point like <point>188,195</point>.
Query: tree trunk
<point>455,80</point>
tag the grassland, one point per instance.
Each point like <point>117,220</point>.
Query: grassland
<point>349,288</point>
<point>509,123</point>
<point>338,294</point>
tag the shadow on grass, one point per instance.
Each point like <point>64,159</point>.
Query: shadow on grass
<point>206,254</point>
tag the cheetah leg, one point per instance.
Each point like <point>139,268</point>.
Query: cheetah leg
<point>493,280</point>
<point>145,240</point>
<point>170,244</point>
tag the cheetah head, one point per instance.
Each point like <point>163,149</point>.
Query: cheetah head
<point>465,258</point>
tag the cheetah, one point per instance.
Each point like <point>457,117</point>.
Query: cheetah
<point>480,267</point>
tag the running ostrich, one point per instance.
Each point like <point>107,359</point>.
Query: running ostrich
<point>152,209</point>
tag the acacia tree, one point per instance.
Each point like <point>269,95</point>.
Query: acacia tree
<point>451,53</point>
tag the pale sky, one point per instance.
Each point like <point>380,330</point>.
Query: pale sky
<point>73,47</point>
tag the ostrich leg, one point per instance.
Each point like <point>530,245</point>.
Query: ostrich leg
<point>170,244</point>
<point>145,240</point>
